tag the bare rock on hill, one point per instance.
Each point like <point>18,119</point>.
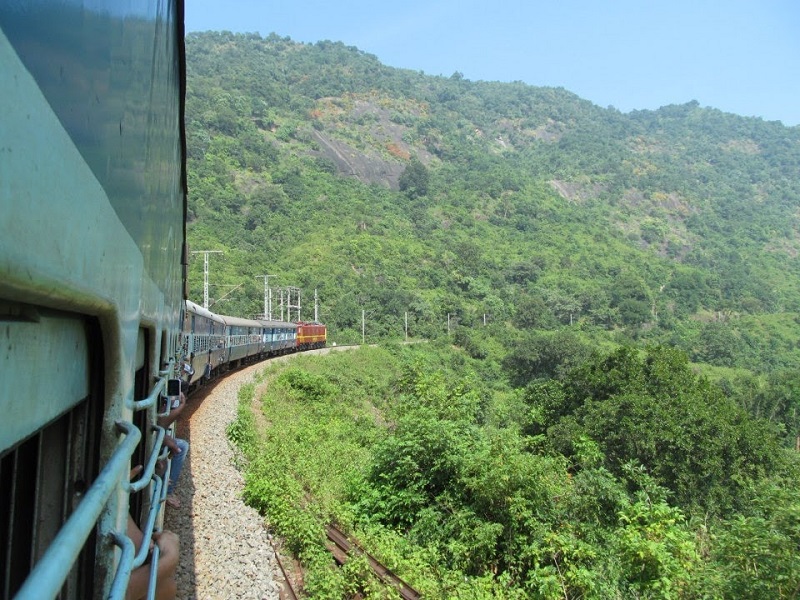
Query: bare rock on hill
<point>363,136</point>
<point>367,167</point>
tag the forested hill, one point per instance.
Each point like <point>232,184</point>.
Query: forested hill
<point>610,400</point>
<point>391,192</point>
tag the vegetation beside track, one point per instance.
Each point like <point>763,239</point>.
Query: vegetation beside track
<point>468,489</point>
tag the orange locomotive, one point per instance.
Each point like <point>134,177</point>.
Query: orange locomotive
<point>311,335</point>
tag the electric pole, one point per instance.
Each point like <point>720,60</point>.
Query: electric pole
<point>267,297</point>
<point>289,305</point>
<point>205,254</point>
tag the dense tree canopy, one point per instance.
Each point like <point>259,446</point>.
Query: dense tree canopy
<point>449,483</point>
<point>414,180</point>
<point>566,262</point>
<point>653,410</point>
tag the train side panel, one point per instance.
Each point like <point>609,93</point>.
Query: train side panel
<point>91,237</point>
<point>203,344</point>
<point>281,336</point>
<point>243,338</point>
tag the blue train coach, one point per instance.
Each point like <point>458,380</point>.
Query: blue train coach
<point>92,212</point>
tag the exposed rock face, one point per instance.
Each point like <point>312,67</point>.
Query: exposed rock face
<point>367,167</point>
<point>377,149</point>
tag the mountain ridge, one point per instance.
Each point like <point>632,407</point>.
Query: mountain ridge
<point>701,206</point>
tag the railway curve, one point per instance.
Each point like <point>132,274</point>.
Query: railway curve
<point>225,547</point>
<point>226,550</point>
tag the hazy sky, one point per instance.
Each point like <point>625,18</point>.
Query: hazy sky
<point>741,56</point>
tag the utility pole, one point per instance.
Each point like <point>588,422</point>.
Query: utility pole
<point>205,254</point>
<point>406,325</point>
<point>280,300</point>
<point>363,327</point>
<point>316,306</point>
<point>289,305</point>
<point>267,297</point>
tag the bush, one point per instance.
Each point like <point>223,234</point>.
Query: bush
<point>654,410</point>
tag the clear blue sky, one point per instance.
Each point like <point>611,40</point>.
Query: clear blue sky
<point>741,56</point>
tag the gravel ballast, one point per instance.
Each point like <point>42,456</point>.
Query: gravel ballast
<point>225,546</point>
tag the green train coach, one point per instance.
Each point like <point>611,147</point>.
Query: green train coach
<point>92,271</point>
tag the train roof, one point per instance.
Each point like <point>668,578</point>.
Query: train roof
<point>280,324</point>
<point>195,308</point>
<point>240,322</point>
<point>203,312</point>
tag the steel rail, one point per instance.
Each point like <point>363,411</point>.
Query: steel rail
<point>342,548</point>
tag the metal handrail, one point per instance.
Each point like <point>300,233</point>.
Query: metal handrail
<point>153,582</point>
<point>159,386</point>
<point>130,559</point>
<point>49,574</point>
<point>167,474</point>
<point>123,575</point>
<point>147,531</point>
<point>150,468</point>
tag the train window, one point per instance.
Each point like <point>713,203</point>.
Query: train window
<point>38,346</point>
<point>42,480</point>
<point>49,446</point>
<point>140,419</point>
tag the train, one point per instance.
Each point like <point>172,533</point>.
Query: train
<point>93,262</point>
<point>212,344</point>
<point>95,322</point>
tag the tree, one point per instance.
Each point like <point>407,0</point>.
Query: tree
<point>415,179</point>
<point>755,554</point>
<point>545,354</point>
<point>533,313</point>
<point>655,411</point>
<point>632,298</point>
<point>718,344</point>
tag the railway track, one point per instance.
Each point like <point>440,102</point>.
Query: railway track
<point>287,590</point>
<point>342,548</point>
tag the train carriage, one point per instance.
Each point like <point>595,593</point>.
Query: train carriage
<point>243,339</point>
<point>204,343</point>
<point>280,336</point>
<point>92,212</point>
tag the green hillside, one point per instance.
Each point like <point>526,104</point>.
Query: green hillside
<point>608,405</point>
<point>394,192</point>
